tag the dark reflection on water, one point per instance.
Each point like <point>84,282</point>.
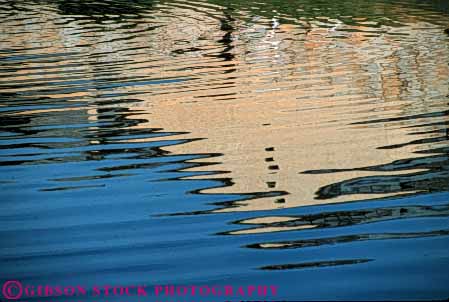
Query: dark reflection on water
<point>345,218</point>
<point>314,264</point>
<point>220,142</point>
<point>435,178</point>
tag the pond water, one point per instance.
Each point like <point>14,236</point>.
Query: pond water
<point>299,144</point>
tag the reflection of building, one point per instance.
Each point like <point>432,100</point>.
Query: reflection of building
<point>274,99</point>
<point>289,108</point>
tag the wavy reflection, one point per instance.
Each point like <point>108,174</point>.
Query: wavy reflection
<point>338,219</point>
<point>315,264</point>
<point>160,137</point>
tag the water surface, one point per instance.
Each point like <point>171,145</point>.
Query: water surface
<point>296,143</point>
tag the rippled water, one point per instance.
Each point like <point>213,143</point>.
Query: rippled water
<point>220,142</point>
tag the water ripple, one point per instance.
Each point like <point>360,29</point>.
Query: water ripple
<point>227,142</point>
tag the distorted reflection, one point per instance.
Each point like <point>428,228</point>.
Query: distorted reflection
<point>169,121</point>
<point>336,219</point>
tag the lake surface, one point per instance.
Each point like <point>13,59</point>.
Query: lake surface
<point>302,144</point>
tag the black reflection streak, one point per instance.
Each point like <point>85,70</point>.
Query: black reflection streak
<point>435,178</point>
<point>295,244</point>
<point>314,264</point>
<point>348,218</point>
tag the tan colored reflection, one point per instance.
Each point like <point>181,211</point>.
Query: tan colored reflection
<point>290,111</point>
<point>276,100</point>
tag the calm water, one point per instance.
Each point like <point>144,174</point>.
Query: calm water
<point>297,143</point>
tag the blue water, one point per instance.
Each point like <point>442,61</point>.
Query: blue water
<point>297,144</point>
